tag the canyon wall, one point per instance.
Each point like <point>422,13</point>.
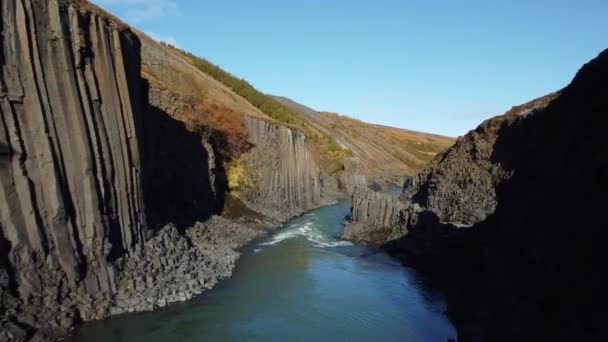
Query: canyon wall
<point>509,222</point>
<point>70,179</point>
<point>375,216</point>
<point>459,186</point>
<point>284,174</point>
<point>344,182</point>
<point>278,177</point>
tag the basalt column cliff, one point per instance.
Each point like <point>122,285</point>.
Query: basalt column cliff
<point>70,180</point>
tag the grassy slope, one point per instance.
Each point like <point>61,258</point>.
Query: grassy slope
<point>325,146</point>
<point>382,150</point>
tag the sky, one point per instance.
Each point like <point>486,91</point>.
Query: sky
<point>428,65</point>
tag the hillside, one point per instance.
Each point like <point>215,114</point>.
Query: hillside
<point>381,151</point>
<point>338,143</point>
<point>341,153</point>
<point>324,146</point>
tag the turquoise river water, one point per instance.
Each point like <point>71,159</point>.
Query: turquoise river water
<point>301,284</point>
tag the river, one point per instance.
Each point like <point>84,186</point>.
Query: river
<point>301,284</point>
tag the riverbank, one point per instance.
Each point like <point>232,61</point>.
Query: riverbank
<point>174,265</point>
<point>301,283</point>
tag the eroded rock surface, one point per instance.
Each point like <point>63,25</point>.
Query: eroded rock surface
<point>280,165</point>
<point>459,185</point>
<point>70,180</point>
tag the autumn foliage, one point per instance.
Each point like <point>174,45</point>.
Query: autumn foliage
<point>227,127</point>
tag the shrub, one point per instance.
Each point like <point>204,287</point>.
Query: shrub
<point>230,135</point>
<point>236,174</point>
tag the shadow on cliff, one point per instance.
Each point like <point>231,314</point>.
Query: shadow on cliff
<point>4,156</point>
<point>179,185</point>
<point>544,245</point>
<point>535,268</point>
<point>7,272</point>
<point>6,279</point>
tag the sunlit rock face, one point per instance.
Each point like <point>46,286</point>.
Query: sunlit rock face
<point>284,172</point>
<point>70,179</point>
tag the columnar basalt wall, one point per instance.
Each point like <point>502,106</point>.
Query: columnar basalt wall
<point>343,183</point>
<point>374,216</point>
<point>70,177</point>
<point>283,170</point>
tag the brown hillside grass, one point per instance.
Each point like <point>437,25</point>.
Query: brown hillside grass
<point>387,148</point>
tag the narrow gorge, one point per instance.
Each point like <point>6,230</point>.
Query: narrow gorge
<point>135,175</point>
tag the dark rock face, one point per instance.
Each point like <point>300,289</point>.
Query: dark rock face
<point>91,158</point>
<point>459,186</point>
<point>343,183</point>
<point>70,175</point>
<point>511,223</point>
<point>183,183</point>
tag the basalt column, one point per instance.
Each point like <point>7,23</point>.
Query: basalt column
<point>70,194</point>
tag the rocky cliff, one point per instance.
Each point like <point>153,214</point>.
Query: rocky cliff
<point>374,217</point>
<point>459,185</point>
<point>509,222</point>
<point>285,175</point>
<point>70,183</point>
<point>345,182</point>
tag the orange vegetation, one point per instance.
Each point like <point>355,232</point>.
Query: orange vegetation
<point>227,125</point>
<point>200,110</point>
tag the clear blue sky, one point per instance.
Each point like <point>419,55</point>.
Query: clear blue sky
<point>434,66</point>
